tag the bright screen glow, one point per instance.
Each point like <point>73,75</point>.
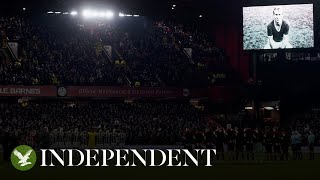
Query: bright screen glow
<point>278,27</point>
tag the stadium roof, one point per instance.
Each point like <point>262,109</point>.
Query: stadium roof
<point>219,10</point>
<point>139,6</point>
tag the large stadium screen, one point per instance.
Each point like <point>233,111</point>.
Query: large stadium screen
<point>278,27</point>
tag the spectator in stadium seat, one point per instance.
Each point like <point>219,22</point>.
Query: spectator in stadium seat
<point>278,32</point>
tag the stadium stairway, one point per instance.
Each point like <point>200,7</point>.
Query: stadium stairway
<point>7,54</point>
<point>117,56</point>
<point>99,49</point>
<point>4,49</point>
<point>211,120</point>
<point>3,39</point>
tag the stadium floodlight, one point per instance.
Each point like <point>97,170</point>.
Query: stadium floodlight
<point>24,9</point>
<point>174,5</point>
<point>65,13</point>
<point>172,8</point>
<point>94,14</point>
<point>97,14</point>
<point>200,16</point>
<point>129,15</point>
<point>121,15</point>
<point>109,14</point>
<point>86,13</point>
<point>50,12</point>
<point>136,15</point>
<point>269,108</point>
<point>57,12</point>
<point>102,14</point>
<point>74,13</point>
<point>248,108</point>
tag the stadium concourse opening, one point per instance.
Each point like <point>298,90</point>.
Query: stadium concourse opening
<point>238,77</point>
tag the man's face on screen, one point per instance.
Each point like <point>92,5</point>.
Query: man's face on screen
<point>278,16</point>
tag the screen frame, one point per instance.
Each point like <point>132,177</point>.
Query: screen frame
<point>311,49</point>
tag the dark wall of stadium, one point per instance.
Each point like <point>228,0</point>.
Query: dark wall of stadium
<point>227,32</point>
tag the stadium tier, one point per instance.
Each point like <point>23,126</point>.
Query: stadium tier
<point>53,51</point>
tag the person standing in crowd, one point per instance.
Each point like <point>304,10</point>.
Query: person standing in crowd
<point>285,143</point>
<point>220,137</point>
<point>268,143</point>
<point>250,139</point>
<point>294,145</point>
<point>311,142</point>
<point>299,144</point>
<point>199,139</point>
<point>188,139</point>
<point>296,140</point>
<point>231,143</point>
<point>44,138</point>
<point>259,140</point>
<point>76,138</point>
<point>239,144</point>
<point>209,138</point>
<point>276,143</point>
<point>92,138</point>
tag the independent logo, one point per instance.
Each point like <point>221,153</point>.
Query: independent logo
<point>23,158</point>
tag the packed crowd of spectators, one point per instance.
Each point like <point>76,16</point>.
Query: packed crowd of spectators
<point>143,123</point>
<point>158,54</point>
<point>64,51</point>
<point>305,122</point>
<point>203,49</point>
<point>55,56</point>
<point>149,123</point>
<point>153,56</point>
